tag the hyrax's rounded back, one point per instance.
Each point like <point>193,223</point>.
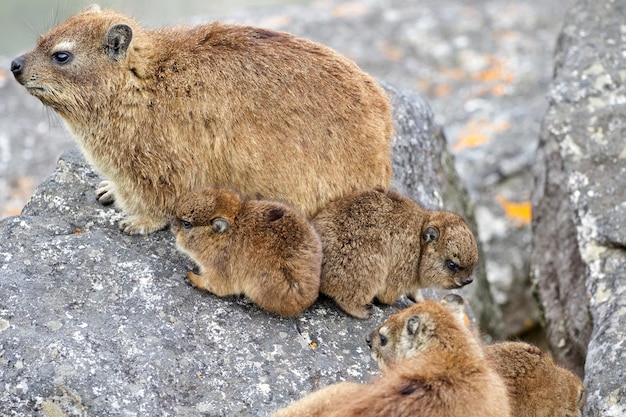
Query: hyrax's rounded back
<point>381,244</point>
<point>537,386</point>
<point>263,249</point>
<point>162,112</point>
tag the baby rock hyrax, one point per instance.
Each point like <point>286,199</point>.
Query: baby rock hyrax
<point>449,378</point>
<point>382,245</point>
<point>263,249</point>
<point>163,112</point>
<point>536,386</point>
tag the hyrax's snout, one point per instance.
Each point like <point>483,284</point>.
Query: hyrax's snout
<point>467,280</point>
<point>17,66</point>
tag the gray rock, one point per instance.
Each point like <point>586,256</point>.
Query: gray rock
<point>97,323</point>
<point>579,248</point>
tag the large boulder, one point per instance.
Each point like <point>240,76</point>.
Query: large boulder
<point>579,224</point>
<point>95,322</point>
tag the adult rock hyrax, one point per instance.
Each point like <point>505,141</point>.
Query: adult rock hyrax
<point>536,386</point>
<point>449,378</point>
<point>163,112</point>
<point>382,244</point>
<point>263,249</point>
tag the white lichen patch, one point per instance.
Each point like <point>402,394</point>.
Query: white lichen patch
<point>51,409</point>
<point>21,388</point>
<point>54,325</point>
<point>304,339</point>
<point>571,148</point>
<point>597,135</point>
<point>592,251</point>
<point>109,216</point>
<point>603,81</point>
<point>355,372</point>
<point>596,103</point>
<point>265,389</point>
<point>576,181</point>
<point>602,294</point>
<point>4,324</point>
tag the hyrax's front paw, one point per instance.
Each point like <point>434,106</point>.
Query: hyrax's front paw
<point>195,279</point>
<point>416,296</point>
<point>136,225</point>
<point>104,193</point>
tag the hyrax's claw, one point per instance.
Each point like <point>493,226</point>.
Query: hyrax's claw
<point>104,193</point>
<point>134,225</point>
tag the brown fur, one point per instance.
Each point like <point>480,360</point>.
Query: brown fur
<point>163,112</point>
<point>449,378</point>
<point>536,386</point>
<point>383,245</point>
<point>263,249</point>
<point>321,402</point>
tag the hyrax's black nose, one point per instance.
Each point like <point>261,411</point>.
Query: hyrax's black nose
<point>17,65</point>
<point>468,280</point>
<point>368,340</point>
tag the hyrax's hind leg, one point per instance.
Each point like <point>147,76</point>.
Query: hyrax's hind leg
<point>354,288</point>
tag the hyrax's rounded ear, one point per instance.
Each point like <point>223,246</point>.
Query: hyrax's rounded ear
<point>455,304</point>
<point>117,40</point>
<point>92,8</point>
<point>412,324</point>
<point>431,234</point>
<point>220,225</point>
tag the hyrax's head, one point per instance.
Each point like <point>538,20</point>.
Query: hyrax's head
<point>205,216</point>
<point>77,64</point>
<point>448,251</point>
<point>413,330</point>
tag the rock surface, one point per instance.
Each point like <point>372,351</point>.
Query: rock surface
<point>97,323</point>
<point>579,225</point>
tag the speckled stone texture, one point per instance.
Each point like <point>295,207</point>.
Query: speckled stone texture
<point>579,225</point>
<point>97,323</point>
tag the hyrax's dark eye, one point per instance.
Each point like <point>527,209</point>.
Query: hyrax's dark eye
<point>62,57</point>
<point>186,224</point>
<point>383,340</point>
<point>452,266</point>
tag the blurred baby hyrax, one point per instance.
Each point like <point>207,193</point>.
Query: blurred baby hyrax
<point>536,386</point>
<point>161,112</point>
<point>382,245</point>
<point>450,377</point>
<point>263,249</point>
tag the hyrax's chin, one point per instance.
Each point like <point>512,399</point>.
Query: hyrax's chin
<point>463,281</point>
<point>381,363</point>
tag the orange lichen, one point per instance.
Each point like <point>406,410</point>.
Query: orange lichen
<point>479,132</point>
<point>392,52</point>
<point>520,213</point>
